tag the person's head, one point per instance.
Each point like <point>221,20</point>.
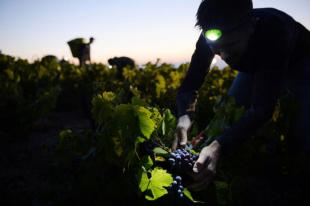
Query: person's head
<point>227,26</point>
<point>91,40</point>
<point>112,61</point>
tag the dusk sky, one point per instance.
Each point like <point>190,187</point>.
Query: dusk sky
<point>142,29</point>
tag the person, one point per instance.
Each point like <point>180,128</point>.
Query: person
<point>271,52</point>
<point>80,49</point>
<point>85,52</point>
<point>120,63</point>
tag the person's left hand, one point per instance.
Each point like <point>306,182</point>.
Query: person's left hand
<point>204,169</point>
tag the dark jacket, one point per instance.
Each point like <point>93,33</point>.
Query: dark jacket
<point>277,43</point>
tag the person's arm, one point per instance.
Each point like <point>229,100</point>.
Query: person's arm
<point>198,69</point>
<point>188,91</point>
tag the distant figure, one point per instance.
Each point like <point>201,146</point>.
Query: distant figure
<point>49,58</point>
<point>120,63</point>
<point>80,49</point>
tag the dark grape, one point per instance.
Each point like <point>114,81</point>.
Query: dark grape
<point>181,161</point>
<point>177,187</point>
<point>178,178</point>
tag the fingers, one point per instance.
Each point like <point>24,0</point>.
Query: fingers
<point>202,161</point>
<point>184,123</point>
<point>180,138</point>
<point>183,137</point>
<point>175,142</point>
<point>204,170</point>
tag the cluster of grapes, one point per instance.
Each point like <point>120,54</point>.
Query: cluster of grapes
<point>177,187</point>
<point>182,160</point>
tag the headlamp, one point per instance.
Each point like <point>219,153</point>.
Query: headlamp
<point>213,34</point>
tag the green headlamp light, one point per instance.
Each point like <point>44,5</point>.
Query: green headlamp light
<point>213,34</point>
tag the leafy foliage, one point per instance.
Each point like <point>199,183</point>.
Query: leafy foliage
<point>133,126</point>
<point>155,185</point>
<point>27,92</point>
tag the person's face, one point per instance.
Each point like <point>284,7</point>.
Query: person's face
<point>232,44</point>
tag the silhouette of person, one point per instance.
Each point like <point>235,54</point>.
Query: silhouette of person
<point>120,63</point>
<point>85,50</point>
<point>271,51</point>
<point>81,49</point>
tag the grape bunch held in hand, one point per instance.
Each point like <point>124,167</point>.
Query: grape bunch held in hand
<point>181,161</point>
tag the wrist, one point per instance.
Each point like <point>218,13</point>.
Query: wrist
<point>184,122</point>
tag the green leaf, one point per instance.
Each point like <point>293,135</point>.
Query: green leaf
<point>144,181</point>
<point>108,96</point>
<point>65,133</point>
<point>10,73</point>
<point>102,107</point>
<point>146,124</point>
<point>155,116</point>
<point>168,123</point>
<point>155,185</point>
<point>147,162</point>
<point>137,101</point>
<point>188,194</point>
<point>126,121</point>
<point>140,140</point>
<point>163,127</point>
<point>160,151</point>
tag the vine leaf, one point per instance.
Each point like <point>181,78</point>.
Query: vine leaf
<point>188,194</point>
<point>168,122</point>
<point>154,184</point>
<point>147,162</point>
<point>160,151</point>
<point>147,126</point>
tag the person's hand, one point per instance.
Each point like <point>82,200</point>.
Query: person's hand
<point>180,140</point>
<point>204,169</point>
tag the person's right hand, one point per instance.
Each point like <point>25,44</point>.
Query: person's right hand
<point>204,169</point>
<point>180,140</point>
